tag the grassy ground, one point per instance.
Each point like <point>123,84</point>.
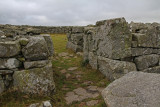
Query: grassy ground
<point>61,63</point>
<point>14,99</point>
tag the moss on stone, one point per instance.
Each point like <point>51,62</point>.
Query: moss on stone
<point>23,41</point>
<point>22,59</point>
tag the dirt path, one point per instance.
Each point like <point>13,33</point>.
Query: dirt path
<point>77,85</point>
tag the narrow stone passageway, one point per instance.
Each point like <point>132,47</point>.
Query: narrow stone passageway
<point>77,85</point>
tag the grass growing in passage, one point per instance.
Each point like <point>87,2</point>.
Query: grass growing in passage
<point>61,63</point>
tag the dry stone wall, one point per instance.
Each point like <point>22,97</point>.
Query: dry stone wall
<point>75,39</point>
<point>13,30</point>
<point>146,46</point>
<point>25,64</point>
<point>115,47</point>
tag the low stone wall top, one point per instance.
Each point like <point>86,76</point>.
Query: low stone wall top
<point>12,30</point>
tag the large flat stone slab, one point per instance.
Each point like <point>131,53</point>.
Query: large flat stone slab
<point>135,89</point>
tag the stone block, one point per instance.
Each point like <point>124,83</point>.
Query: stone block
<point>147,41</point>
<point>2,86</point>
<point>9,49</point>
<point>23,41</point>
<point>49,42</point>
<point>35,81</point>
<point>75,48</point>
<point>77,39</point>
<point>93,61</point>
<point>114,69</point>
<point>35,64</point>
<point>10,63</point>
<point>146,61</point>
<point>36,49</point>
<point>6,72</point>
<point>77,29</point>
<point>134,44</point>
<point>113,39</point>
<point>155,69</point>
<point>142,51</point>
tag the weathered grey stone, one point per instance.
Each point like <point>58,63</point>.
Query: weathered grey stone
<point>85,47</point>
<point>9,49</point>
<point>49,42</point>
<point>77,29</point>
<point>77,39</point>
<point>79,94</point>
<point>6,80</point>
<point>5,72</point>
<point>35,81</point>
<point>42,104</point>
<point>135,89</point>
<point>2,86</point>
<point>113,36</point>
<point>10,63</point>
<point>88,44</point>
<point>146,61</point>
<point>93,61</point>
<point>142,51</point>
<point>36,49</point>
<point>1,33</point>
<point>138,27</point>
<point>71,97</point>
<point>155,69</point>
<point>144,40</point>
<point>35,64</point>
<point>47,104</point>
<point>134,44</point>
<point>68,36</point>
<point>75,48</point>
<point>114,69</point>
<point>31,31</point>
<point>147,35</point>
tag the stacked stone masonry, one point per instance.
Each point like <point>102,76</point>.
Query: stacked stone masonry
<point>13,30</point>
<point>115,47</point>
<point>75,39</point>
<point>25,64</point>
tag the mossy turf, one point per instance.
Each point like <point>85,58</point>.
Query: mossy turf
<point>15,99</point>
